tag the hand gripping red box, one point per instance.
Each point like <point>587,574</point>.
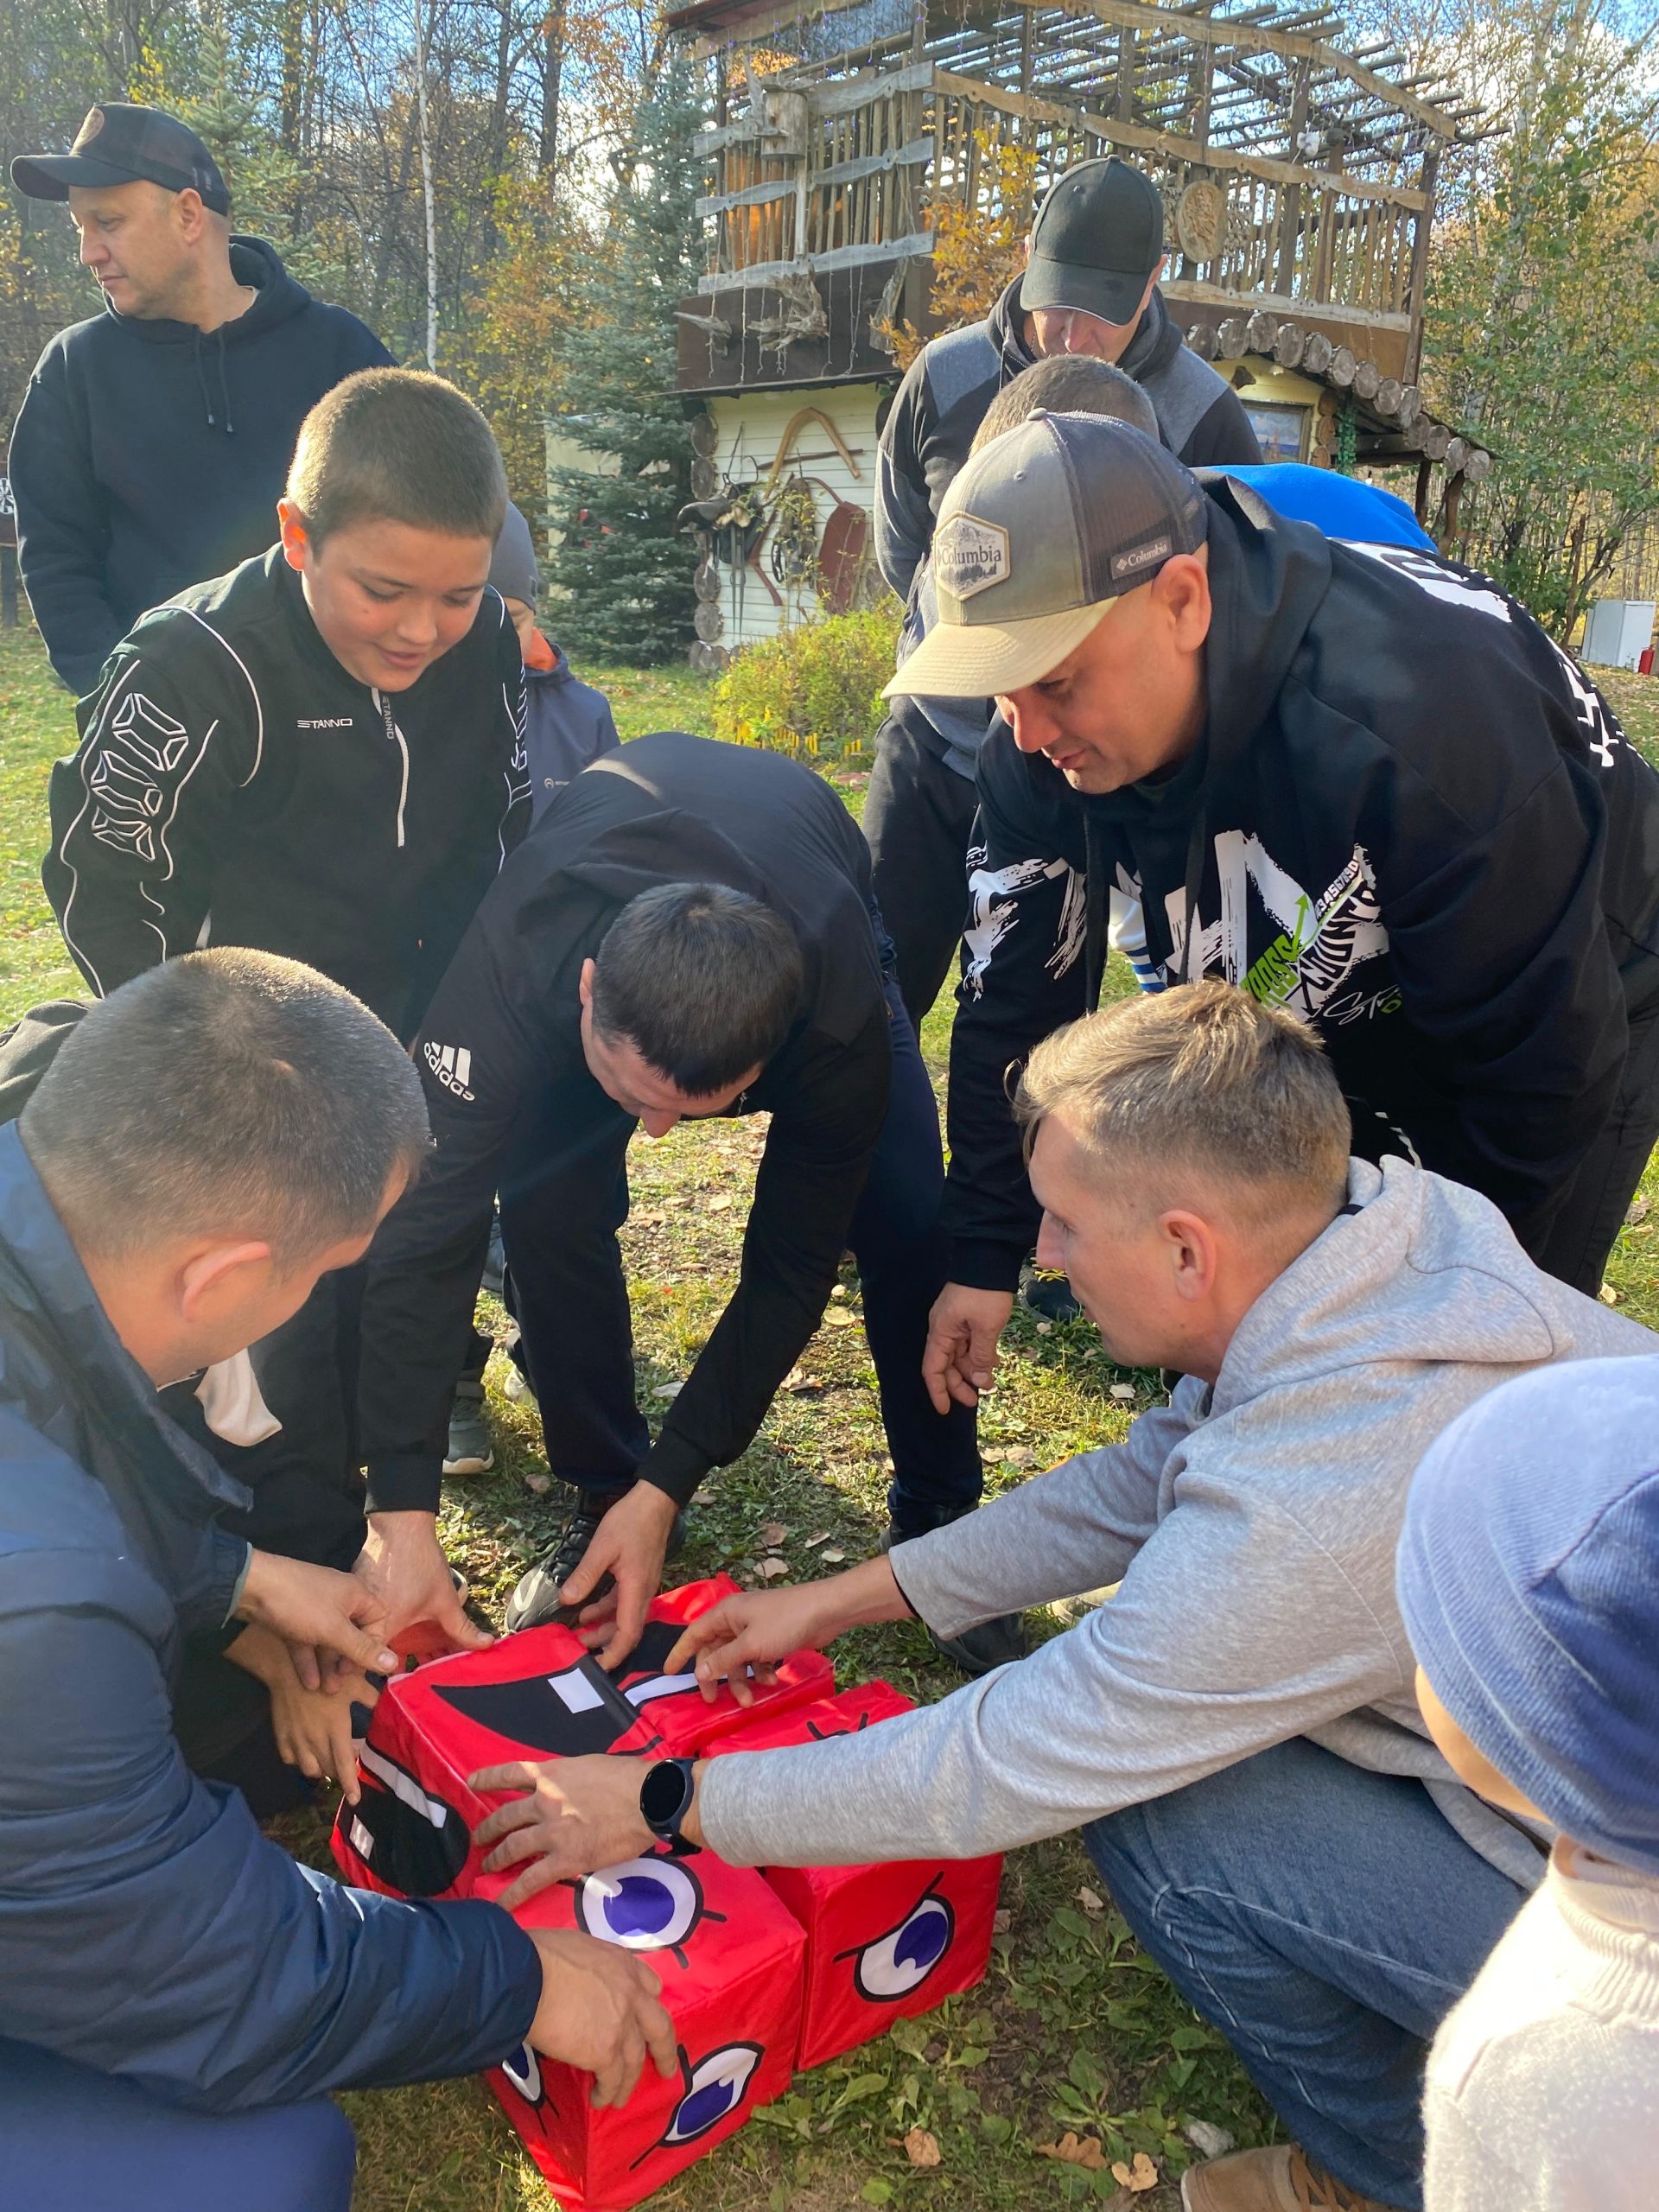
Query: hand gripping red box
<point>882,1942</point>
<point>539,1694</point>
<point>730,1959</point>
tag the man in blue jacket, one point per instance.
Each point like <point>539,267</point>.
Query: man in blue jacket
<point>153,440</point>
<point>208,1141</point>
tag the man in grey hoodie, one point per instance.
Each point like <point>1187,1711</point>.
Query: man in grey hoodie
<point>1235,1731</point>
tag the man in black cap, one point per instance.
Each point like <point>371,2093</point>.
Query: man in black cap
<point>154,441</point>
<point>1354,780</point>
<point>1089,286</point>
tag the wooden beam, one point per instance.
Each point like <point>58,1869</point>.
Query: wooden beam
<point>764,273</point>
<point>1036,110</point>
<point>1218,30</point>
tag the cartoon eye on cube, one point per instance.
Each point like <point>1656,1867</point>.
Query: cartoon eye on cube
<point>882,1942</point>
<point>645,1904</point>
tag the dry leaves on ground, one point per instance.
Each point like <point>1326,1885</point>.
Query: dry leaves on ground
<point>1142,2175</point>
<point>1075,2150</point>
<point>772,1569</point>
<point>921,2148</point>
<point>773,1535</point>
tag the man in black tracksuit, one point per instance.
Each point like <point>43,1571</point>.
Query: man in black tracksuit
<point>152,443</point>
<point>1358,781</point>
<point>852,1156</point>
<point>1090,288</point>
<point>320,755</point>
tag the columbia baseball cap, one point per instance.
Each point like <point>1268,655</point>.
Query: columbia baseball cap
<point>1097,237</point>
<point>1038,537</point>
<point>118,143</point>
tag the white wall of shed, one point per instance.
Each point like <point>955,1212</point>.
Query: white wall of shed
<point>751,428</point>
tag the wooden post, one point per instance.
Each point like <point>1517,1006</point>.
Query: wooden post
<point>1419,264</point>
<point>1290,220</point>
<point>1420,505</point>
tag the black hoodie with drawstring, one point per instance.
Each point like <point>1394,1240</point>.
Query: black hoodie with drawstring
<point>1410,820</point>
<point>149,455</point>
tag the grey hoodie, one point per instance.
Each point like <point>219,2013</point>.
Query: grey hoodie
<point>1253,1528</point>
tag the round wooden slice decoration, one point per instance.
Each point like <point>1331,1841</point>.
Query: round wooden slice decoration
<point>1201,220</point>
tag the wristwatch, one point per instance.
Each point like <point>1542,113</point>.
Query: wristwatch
<point>665,1797</point>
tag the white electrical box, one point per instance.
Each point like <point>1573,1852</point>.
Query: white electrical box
<point>1617,632</point>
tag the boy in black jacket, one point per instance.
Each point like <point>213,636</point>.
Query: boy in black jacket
<point>319,755</point>
<point>1355,780</point>
<point>687,931</point>
<point>152,443</point>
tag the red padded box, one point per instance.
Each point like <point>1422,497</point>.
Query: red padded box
<point>539,1694</point>
<point>730,1959</point>
<point>882,1942</point>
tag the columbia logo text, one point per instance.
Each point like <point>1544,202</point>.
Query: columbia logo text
<point>1124,564</point>
<point>453,1066</point>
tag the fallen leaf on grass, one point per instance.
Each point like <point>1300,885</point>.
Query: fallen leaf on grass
<point>772,1569</point>
<point>822,1537</point>
<point>802,1385</point>
<point>832,1559</point>
<point>921,2148</point>
<point>1017,1455</point>
<point>1074,2150</point>
<point>1091,1901</point>
<point>838,1317</point>
<point>540,1483</point>
<point>839,1294</point>
<point>1123,1392</point>
<point>1142,2175</point>
<point>1001,1921</point>
<point>773,1535</point>
<point>1608,1295</point>
<point>668,1390</point>
<point>1640,1209</point>
<point>718,1205</point>
<point>646,1220</point>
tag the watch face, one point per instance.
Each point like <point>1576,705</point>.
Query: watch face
<point>664,1794</point>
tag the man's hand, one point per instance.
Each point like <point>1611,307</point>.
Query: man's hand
<point>403,1562</point>
<point>601,2012</point>
<point>763,1626</point>
<point>578,1814</point>
<point>312,1728</point>
<point>317,1611</point>
<point>630,1543</point>
<point>960,1359</point>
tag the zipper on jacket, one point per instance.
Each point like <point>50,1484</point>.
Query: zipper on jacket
<point>395,736</point>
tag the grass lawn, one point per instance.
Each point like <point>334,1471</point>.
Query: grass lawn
<point>1074,2030</point>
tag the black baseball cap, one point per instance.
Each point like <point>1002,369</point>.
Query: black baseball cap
<point>118,143</point>
<point>1039,534</point>
<point>1097,237</point>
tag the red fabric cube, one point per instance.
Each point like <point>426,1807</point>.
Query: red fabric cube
<point>730,1958</point>
<point>882,1942</point>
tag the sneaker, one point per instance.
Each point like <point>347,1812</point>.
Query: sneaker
<point>536,1600</point>
<point>1046,1293</point>
<point>1282,2179</point>
<point>470,1450</point>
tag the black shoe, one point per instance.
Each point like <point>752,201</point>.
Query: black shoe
<point>1046,1293</point>
<point>978,1650</point>
<point>537,1601</point>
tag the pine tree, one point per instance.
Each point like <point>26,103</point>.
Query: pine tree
<point>623,571</point>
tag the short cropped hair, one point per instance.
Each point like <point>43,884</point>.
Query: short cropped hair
<point>227,1093</point>
<point>1202,1080</point>
<point>397,445</point>
<point>702,980</point>
<point>1067,384</point>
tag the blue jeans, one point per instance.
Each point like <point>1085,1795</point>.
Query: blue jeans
<point>72,2138</point>
<point>1326,1919</point>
